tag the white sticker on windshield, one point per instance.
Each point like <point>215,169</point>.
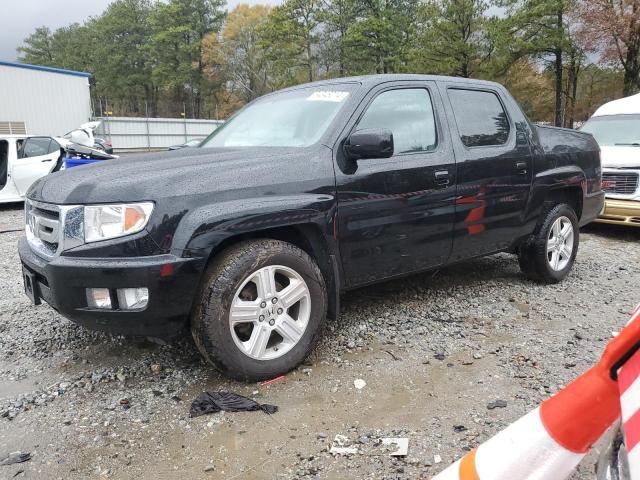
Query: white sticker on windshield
<point>327,96</point>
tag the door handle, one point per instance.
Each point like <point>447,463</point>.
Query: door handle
<point>442,177</point>
<point>521,167</point>
<point>44,161</point>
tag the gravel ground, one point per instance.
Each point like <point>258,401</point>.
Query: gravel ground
<point>435,350</point>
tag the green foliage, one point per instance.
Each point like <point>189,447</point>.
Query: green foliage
<point>179,28</point>
<point>185,57</point>
<point>381,36</point>
<point>336,16</point>
<point>136,50</point>
<point>122,63</point>
<point>38,48</point>
<point>452,38</point>
<point>289,37</point>
<point>237,60</point>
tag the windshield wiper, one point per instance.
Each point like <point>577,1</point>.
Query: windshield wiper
<point>634,144</point>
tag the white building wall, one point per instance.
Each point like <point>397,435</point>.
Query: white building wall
<point>50,103</point>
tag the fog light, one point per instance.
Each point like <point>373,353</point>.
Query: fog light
<point>133,298</point>
<point>98,298</point>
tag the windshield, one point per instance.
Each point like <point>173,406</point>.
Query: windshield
<point>295,118</point>
<point>615,130</point>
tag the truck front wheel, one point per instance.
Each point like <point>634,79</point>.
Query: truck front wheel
<point>259,310</point>
<point>550,252</point>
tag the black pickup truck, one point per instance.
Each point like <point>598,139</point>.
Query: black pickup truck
<point>250,238</point>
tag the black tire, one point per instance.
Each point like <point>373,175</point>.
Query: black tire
<point>533,256</point>
<point>210,317</point>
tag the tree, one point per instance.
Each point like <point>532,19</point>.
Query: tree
<point>452,38</point>
<point>180,57</point>
<point>38,48</point>
<point>532,88</point>
<point>612,29</point>
<point>179,28</point>
<point>383,33</point>
<point>336,17</point>
<point>236,61</point>
<point>575,59</point>
<point>597,86</point>
<point>125,63</point>
<point>539,29</point>
<point>290,38</point>
<point>380,38</point>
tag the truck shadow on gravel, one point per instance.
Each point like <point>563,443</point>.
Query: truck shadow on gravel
<point>459,276</point>
<point>135,357</point>
<point>620,233</point>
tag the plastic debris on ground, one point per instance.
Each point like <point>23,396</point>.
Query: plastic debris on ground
<point>273,380</point>
<point>215,402</point>
<point>497,404</point>
<point>15,457</point>
<point>359,383</point>
<point>340,446</point>
<point>402,445</point>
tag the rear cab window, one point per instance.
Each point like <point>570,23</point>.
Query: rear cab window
<point>480,116</point>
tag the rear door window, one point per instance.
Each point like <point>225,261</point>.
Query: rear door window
<point>36,146</point>
<point>480,116</point>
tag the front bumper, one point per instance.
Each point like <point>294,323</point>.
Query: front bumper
<point>620,212</point>
<point>172,282</point>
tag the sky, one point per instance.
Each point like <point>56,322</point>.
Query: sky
<point>21,17</point>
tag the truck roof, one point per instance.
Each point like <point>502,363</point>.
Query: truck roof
<point>371,80</point>
<point>622,106</point>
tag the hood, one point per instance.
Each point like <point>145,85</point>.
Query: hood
<point>154,176</point>
<point>620,156</point>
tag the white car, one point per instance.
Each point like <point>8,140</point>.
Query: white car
<point>23,160</point>
<point>616,128</point>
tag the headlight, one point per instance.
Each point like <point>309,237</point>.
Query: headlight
<point>102,222</point>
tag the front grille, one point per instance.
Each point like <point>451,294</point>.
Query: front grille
<point>43,227</point>
<point>51,229</point>
<point>623,183</point>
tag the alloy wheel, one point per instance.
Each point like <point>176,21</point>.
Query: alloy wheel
<point>560,243</point>
<point>270,312</point>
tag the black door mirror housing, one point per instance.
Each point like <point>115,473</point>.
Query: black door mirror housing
<point>369,143</point>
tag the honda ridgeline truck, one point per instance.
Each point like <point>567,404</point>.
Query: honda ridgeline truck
<point>250,238</point>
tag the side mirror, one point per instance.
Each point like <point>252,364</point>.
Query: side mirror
<point>369,143</point>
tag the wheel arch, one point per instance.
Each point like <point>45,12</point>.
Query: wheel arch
<point>309,238</point>
<point>559,185</point>
<point>572,195</point>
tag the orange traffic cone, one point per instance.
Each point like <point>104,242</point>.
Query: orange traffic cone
<point>550,441</point>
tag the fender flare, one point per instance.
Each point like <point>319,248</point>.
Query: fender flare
<point>206,229</point>
<point>570,176</point>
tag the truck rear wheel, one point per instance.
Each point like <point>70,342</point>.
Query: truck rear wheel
<point>259,310</point>
<point>549,254</point>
